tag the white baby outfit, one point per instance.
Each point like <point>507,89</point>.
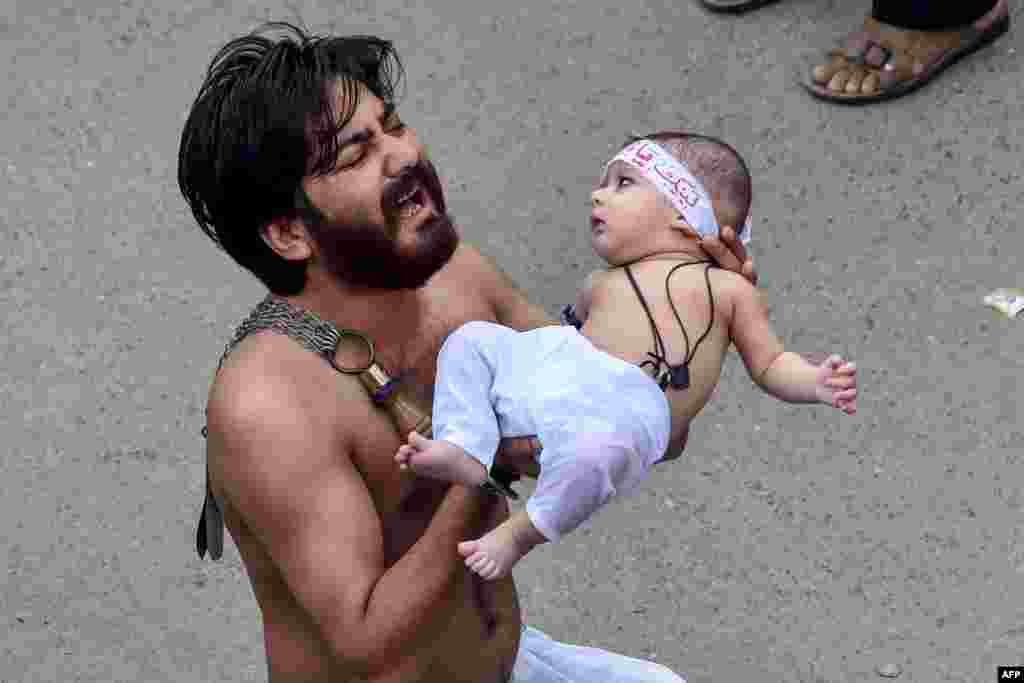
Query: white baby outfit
<point>602,422</point>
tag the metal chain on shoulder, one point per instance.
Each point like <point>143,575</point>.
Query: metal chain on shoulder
<point>305,327</point>
<point>313,332</point>
<point>321,337</point>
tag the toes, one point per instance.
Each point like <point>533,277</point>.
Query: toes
<point>853,85</point>
<point>840,399</point>
<point>404,458</point>
<point>479,563</point>
<point>488,569</point>
<point>823,73</point>
<point>833,362</point>
<point>870,84</point>
<point>839,80</point>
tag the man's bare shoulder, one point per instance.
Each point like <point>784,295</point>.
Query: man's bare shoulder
<point>469,265</point>
<point>269,380</point>
<point>469,259</point>
<point>482,275</point>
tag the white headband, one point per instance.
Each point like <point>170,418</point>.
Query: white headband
<point>673,180</point>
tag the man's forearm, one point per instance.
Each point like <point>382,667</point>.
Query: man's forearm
<point>790,378</point>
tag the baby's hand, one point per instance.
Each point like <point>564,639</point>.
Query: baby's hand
<point>836,384</point>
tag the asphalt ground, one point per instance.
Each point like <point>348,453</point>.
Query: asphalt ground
<point>791,543</point>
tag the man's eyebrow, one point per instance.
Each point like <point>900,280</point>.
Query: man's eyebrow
<point>364,135</point>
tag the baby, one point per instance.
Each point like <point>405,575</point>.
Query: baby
<point>606,408</point>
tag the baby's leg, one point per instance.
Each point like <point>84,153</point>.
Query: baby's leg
<point>496,552</point>
<point>573,484</point>
<point>465,426</point>
<point>579,474</point>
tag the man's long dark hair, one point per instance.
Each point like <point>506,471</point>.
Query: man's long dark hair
<point>264,119</point>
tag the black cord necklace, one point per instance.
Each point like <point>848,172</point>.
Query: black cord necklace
<point>677,377</point>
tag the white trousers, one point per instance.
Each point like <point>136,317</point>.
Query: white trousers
<point>602,422</point>
<point>544,660</point>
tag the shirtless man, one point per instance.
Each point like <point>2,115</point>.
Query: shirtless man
<point>294,161</point>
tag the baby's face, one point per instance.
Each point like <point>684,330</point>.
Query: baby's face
<point>627,212</point>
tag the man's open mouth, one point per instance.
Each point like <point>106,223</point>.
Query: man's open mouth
<point>412,202</point>
<point>409,201</point>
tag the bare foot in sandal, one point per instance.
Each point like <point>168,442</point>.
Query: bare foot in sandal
<point>881,61</point>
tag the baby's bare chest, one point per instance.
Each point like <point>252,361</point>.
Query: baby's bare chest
<point>686,326</point>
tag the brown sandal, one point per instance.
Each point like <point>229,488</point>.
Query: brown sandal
<point>883,61</point>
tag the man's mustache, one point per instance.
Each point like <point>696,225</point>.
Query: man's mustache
<point>421,174</point>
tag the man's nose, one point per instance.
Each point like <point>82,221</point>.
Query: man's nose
<point>402,152</point>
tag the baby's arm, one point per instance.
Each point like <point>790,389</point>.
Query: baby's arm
<point>781,373</point>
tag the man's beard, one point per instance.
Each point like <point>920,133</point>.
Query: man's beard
<point>364,254</point>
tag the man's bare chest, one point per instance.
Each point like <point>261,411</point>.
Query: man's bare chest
<point>400,498</point>
<point>412,354</point>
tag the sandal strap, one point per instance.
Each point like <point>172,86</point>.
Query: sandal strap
<point>921,46</point>
<point>905,52</point>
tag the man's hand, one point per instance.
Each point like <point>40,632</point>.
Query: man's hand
<point>728,251</point>
<point>519,454</point>
<point>835,383</point>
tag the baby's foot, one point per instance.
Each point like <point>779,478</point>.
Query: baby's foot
<point>439,459</point>
<point>494,554</point>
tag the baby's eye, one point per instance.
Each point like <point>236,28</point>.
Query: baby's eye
<point>624,180</point>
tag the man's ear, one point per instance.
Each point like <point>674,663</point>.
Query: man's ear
<point>289,238</point>
<point>681,225</point>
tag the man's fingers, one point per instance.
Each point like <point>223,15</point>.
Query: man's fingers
<point>714,248</point>
<point>739,250</point>
<point>748,271</point>
<point>734,244</point>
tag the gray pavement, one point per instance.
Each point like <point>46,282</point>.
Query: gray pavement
<point>790,544</point>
